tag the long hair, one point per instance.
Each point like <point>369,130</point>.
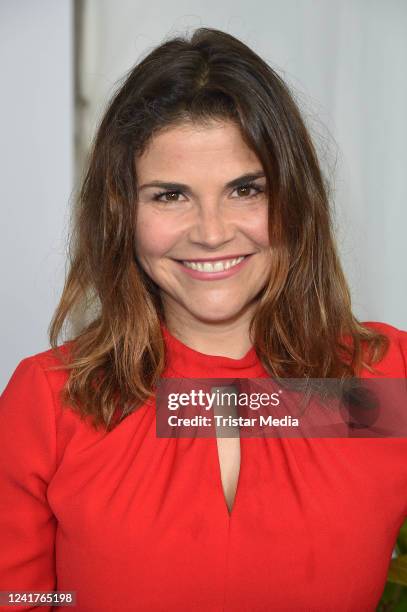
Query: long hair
<point>303,325</point>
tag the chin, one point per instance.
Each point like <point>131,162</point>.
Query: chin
<point>214,315</point>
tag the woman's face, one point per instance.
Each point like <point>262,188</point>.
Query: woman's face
<point>202,201</point>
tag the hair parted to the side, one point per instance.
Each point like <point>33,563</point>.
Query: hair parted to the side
<point>303,326</point>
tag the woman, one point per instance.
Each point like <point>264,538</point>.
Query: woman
<point>201,158</point>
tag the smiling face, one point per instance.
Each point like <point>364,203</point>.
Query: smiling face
<point>202,197</point>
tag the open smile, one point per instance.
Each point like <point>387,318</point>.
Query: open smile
<point>213,269</point>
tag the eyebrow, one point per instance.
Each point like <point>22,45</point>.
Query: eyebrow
<point>245,178</point>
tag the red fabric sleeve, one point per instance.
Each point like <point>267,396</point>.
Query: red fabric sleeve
<point>403,346</point>
<point>27,463</point>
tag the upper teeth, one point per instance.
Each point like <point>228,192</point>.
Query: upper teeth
<point>217,266</point>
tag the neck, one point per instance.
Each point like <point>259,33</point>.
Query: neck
<point>227,338</point>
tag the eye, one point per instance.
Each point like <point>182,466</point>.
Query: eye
<point>244,190</point>
<point>170,196</point>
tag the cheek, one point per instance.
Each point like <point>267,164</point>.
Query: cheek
<point>262,236</point>
<point>256,227</point>
<point>154,236</point>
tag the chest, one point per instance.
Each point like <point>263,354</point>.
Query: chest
<point>228,450</point>
<point>229,466</point>
<point>231,524</point>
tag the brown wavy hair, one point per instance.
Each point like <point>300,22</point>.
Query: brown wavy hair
<point>303,325</point>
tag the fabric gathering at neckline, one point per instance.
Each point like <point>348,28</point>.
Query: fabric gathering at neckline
<point>184,361</point>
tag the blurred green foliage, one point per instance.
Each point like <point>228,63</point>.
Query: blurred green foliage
<point>394,598</point>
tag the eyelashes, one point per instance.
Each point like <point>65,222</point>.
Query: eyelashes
<point>251,185</point>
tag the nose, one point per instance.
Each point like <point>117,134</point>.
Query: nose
<point>210,226</point>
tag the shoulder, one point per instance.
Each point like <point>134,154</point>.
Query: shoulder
<point>394,362</point>
<point>50,357</point>
<point>42,372</point>
<point>30,421</point>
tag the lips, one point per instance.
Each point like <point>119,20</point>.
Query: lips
<point>201,274</point>
<point>213,265</point>
<point>213,259</point>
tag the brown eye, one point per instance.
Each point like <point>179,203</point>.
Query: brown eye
<point>244,190</point>
<point>169,196</point>
<point>250,190</point>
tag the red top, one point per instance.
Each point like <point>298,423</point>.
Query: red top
<point>132,522</point>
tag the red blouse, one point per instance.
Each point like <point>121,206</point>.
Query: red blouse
<point>132,522</point>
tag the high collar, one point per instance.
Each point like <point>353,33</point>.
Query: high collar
<point>185,362</point>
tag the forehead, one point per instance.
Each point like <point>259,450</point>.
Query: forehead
<point>192,146</point>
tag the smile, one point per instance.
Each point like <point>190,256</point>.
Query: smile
<point>214,270</point>
<point>217,266</point>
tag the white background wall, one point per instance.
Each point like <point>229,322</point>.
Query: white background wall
<point>36,127</point>
<point>345,60</point>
